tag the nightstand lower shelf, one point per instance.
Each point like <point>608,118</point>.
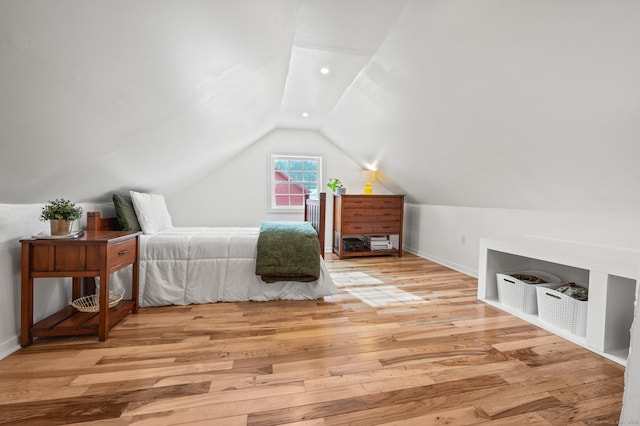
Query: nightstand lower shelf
<point>69,321</point>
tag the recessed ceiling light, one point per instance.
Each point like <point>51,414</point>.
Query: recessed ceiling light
<point>324,70</point>
<point>305,114</point>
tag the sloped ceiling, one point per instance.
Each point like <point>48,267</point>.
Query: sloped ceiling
<point>522,104</point>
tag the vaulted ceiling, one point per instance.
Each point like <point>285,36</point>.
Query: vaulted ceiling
<point>498,103</point>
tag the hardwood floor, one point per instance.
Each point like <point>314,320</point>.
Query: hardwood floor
<point>404,342</point>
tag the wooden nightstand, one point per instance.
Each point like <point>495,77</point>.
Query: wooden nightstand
<point>95,254</point>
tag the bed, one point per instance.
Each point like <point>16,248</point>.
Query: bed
<point>196,265</point>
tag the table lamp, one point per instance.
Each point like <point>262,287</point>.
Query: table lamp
<point>369,176</point>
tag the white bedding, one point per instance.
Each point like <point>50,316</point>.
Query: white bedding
<point>188,265</point>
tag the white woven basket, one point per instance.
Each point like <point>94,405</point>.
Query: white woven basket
<point>91,303</point>
<point>520,295</point>
<point>562,311</point>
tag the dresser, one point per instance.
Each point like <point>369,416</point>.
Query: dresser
<point>367,218</point>
<point>95,254</point>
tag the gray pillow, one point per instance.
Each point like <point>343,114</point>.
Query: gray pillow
<point>125,213</point>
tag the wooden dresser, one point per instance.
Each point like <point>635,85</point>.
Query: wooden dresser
<point>366,216</point>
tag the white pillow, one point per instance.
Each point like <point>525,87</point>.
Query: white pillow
<point>152,212</point>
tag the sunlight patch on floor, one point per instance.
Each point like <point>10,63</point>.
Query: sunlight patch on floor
<point>367,289</point>
<point>348,279</point>
<point>387,295</point>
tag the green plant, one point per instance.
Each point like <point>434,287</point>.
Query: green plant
<point>60,209</point>
<point>334,184</point>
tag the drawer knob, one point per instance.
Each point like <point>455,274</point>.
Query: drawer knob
<point>125,251</point>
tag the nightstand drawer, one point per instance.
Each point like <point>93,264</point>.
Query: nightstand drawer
<point>64,257</point>
<point>383,228</point>
<point>124,252</point>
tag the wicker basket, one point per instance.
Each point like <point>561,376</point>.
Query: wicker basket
<point>520,295</point>
<point>562,311</point>
<point>91,303</point>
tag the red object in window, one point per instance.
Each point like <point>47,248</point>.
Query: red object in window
<point>288,194</point>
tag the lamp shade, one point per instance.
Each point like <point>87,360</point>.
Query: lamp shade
<point>369,175</point>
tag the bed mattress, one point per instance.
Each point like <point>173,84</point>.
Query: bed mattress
<point>194,265</point>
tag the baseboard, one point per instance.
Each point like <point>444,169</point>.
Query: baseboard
<point>9,346</point>
<point>455,266</point>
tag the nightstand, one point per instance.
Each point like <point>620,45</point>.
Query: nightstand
<point>94,254</point>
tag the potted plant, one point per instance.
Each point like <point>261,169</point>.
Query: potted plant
<point>60,213</point>
<point>336,186</point>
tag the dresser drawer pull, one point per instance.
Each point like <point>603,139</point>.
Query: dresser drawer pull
<point>125,251</point>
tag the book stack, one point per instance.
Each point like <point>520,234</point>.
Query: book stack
<point>44,236</point>
<point>378,243</point>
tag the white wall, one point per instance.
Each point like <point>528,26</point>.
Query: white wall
<point>450,235</point>
<point>237,194</point>
<point>631,400</point>
<point>510,104</point>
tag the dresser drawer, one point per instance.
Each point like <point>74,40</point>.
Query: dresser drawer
<point>373,201</point>
<point>124,252</point>
<point>360,228</point>
<point>372,215</point>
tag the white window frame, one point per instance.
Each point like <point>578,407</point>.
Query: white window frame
<point>272,181</point>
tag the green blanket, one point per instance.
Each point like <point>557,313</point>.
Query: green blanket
<point>288,251</point>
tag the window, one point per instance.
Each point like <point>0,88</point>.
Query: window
<point>291,178</point>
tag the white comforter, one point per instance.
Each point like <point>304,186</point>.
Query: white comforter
<point>190,265</point>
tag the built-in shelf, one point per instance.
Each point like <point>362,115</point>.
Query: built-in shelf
<point>610,273</point>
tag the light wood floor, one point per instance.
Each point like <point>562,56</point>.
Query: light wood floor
<point>404,342</point>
